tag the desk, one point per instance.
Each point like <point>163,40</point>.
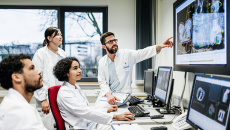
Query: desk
<point>147,127</point>
<point>145,122</point>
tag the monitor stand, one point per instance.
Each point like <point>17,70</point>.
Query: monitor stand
<point>157,103</point>
<point>165,111</point>
<point>149,98</point>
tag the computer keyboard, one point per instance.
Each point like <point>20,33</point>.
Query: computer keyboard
<point>138,111</point>
<point>135,100</point>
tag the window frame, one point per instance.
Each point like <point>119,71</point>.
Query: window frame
<point>61,21</point>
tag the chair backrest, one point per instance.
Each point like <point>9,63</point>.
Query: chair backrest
<point>52,92</point>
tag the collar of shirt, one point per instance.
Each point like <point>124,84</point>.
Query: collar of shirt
<point>70,85</point>
<point>76,90</point>
<point>15,93</point>
<point>59,52</point>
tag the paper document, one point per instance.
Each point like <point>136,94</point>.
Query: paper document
<point>121,96</point>
<point>126,127</point>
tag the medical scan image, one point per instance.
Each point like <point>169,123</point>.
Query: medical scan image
<point>200,94</point>
<point>211,110</point>
<point>162,81</point>
<point>201,27</point>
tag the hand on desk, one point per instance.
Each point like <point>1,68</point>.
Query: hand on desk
<point>111,99</point>
<point>127,116</point>
<point>112,108</point>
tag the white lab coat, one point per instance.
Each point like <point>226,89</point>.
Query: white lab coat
<point>17,114</point>
<point>124,61</point>
<point>76,111</point>
<point>43,62</point>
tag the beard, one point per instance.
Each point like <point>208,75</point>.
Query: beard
<point>111,50</point>
<point>31,88</point>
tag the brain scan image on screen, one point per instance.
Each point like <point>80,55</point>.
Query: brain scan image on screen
<point>200,94</point>
<point>215,7</point>
<point>225,97</point>
<point>221,114</point>
<point>211,110</point>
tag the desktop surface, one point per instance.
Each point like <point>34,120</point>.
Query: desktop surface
<point>145,122</point>
<point>167,119</point>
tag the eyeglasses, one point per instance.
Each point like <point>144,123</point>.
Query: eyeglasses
<point>111,41</point>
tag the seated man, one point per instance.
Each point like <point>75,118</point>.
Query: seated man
<point>74,106</point>
<point>19,76</point>
<point>115,68</point>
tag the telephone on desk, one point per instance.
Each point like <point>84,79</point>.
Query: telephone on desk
<point>180,122</point>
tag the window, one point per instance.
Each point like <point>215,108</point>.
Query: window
<point>22,31</point>
<point>82,39</point>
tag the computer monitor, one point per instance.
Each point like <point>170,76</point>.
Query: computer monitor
<point>149,84</point>
<point>209,103</point>
<point>201,35</point>
<point>164,87</point>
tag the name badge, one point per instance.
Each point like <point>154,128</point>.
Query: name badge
<point>126,68</point>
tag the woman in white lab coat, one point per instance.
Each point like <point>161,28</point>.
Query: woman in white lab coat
<point>44,60</point>
<point>74,106</point>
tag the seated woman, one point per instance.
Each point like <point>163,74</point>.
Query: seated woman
<point>74,106</point>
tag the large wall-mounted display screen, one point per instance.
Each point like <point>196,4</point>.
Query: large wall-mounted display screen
<point>200,36</point>
<point>200,32</point>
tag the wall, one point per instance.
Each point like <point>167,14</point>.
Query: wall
<point>165,58</point>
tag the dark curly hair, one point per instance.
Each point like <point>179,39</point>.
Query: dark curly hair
<point>8,66</point>
<point>104,35</point>
<point>62,68</point>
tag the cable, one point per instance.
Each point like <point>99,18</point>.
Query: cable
<point>182,95</point>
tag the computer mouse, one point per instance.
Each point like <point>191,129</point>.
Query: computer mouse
<point>132,117</point>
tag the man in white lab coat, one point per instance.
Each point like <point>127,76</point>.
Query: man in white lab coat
<point>115,68</point>
<point>19,76</point>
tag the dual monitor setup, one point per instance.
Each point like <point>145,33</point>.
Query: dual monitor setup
<point>209,101</point>
<point>159,88</point>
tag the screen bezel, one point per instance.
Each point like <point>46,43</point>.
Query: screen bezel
<point>209,69</point>
<point>152,72</point>
<point>169,84</point>
<point>192,91</point>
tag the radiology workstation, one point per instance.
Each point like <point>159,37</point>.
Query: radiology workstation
<point>200,37</point>
<point>200,48</point>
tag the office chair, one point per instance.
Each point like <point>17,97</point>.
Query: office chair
<point>52,93</point>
